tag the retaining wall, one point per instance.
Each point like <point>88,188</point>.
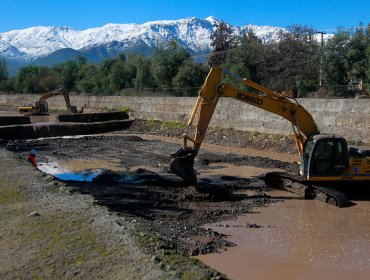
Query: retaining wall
<point>345,117</point>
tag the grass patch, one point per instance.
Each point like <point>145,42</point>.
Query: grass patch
<point>184,267</point>
<point>187,267</point>
<point>68,239</point>
<point>124,109</point>
<point>116,109</point>
<point>11,195</point>
<point>147,240</point>
<point>168,125</point>
<point>152,121</point>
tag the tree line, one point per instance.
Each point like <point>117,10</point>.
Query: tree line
<point>296,62</point>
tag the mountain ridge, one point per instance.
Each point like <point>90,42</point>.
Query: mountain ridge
<point>36,42</point>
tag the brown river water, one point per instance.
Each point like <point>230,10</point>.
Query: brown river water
<point>295,239</point>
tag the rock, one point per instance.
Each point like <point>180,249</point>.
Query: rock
<point>64,189</point>
<point>219,277</point>
<point>156,259</point>
<point>34,214</point>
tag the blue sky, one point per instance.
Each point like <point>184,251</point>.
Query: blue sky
<point>323,15</point>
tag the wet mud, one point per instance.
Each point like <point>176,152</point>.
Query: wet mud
<point>131,176</point>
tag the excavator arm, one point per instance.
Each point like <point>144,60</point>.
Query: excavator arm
<point>302,121</point>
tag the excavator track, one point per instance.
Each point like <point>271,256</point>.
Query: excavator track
<point>296,184</point>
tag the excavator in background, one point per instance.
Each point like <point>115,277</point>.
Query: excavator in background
<point>41,106</point>
<point>326,162</point>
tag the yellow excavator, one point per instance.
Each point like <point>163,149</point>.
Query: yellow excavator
<point>41,106</point>
<point>326,162</point>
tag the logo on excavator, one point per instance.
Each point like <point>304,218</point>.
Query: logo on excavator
<point>248,98</point>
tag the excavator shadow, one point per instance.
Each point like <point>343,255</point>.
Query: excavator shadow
<point>138,199</point>
<point>355,193</point>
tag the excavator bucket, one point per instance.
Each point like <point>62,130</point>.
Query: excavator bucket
<point>182,164</point>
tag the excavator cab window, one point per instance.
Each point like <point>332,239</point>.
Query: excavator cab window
<point>307,152</point>
<point>329,157</point>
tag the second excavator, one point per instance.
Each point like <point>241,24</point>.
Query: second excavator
<point>41,106</point>
<point>326,162</point>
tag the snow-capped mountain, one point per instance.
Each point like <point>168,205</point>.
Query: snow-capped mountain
<point>37,42</point>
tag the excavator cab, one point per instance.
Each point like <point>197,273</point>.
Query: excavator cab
<point>42,107</point>
<point>324,156</point>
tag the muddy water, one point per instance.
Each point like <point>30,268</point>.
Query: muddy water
<point>243,171</point>
<point>59,166</point>
<point>76,170</point>
<point>296,239</point>
<point>234,150</point>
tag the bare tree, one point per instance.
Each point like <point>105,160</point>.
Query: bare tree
<point>222,40</point>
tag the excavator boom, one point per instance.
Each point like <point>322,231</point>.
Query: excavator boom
<point>302,122</point>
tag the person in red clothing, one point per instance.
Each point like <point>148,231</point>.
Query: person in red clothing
<point>32,157</point>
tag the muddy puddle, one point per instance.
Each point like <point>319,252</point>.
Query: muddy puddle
<point>296,239</point>
<point>243,171</point>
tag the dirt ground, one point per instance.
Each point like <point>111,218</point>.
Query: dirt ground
<point>134,202</point>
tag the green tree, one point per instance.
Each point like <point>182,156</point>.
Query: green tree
<point>29,79</point>
<point>122,74</point>
<point>367,54</point>
<point>102,80</point>
<point>3,70</point>
<point>245,59</point>
<point>68,74</point>
<point>87,74</point>
<point>3,74</point>
<point>357,59</point>
<point>49,81</point>
<point>335,64</point>
<point>189,78</point>
<point>297,63</point>
<point>144,78</point>
<point>347,60</point>
<point>165,63</point>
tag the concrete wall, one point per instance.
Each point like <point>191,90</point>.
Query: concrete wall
<point>345,117</point>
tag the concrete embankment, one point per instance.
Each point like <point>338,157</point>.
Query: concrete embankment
<point>26,127</point>
<point>346,117</point>
<point>32,131</point>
